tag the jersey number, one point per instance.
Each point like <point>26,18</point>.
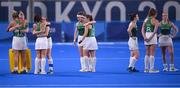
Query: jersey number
<point>148,29</point>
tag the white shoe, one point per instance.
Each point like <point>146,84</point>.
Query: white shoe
<point>42,72</point>
<point>93,70</point>
<point>83,70</point>
<point>173,69</point>
<point>50,72</point>
<point>146,70</point>
<point>153,71</point>
<point>35,72</point>
<point>165,69</point>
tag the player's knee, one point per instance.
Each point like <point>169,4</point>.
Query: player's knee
<point>136,55</point>
<point>49,56</point>
<point>171,52</point>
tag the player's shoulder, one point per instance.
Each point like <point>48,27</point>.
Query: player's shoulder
<point>155,21</point>
<point>132,24</point>
<point>77,23</point>
<point>25,21</point>
<point>145,20</point>
<point>12,23</point>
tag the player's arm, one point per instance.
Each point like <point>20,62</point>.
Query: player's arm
<point>89,23</point>
<point>75,34</point>
<point>43,28</point>
<point>174,27</point>
<point>25,25</point>
<point>85,33</point>
<point>131,25</point>
<point>47,30</point>
<point>143,30</point>
<point>34,29</point>
<point>11,27</point>
<point>156,25</point>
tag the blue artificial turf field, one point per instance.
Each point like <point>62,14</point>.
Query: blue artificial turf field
<point>112,62</point>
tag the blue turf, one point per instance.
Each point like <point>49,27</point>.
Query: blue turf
<point>112,61</point>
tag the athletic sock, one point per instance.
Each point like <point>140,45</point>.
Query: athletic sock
<point>86,65</point>
<point>43,64</point>
<point>133,62</point>
<point>50,64</point>
<point>37,62</point>
<point>165,65</point>
<point>130,61</point>
<point>171,65</point>
<point>94,63</point>
<point>82,62</point>
<point>15,68</point>
<point>146,62</point>
<point>152,60</point>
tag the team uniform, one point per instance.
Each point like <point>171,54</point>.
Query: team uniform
<point>166,40</point>
<point>133,45</point>
<point>41,41</point>
<point>90,42</point>
<point>149,29</point>
<point>19,39</point>
<point>133,40</point>
<point>165,34</point>
<point>50,60</point>
<point>149,60</point>
<point>41,44</point>
<point>80,28</point>
<point>49,41</point>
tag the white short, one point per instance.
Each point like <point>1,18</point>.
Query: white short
<point>165,40</point>
<point>19,43</point>
<point>133,43</point>
<point>153,40</point>
<point>79,39</point>
<point>41,43</point>
<point>90,43</point>
<point>49,42</point>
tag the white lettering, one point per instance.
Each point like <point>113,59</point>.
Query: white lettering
<point>10,6</point>
<point>64,15</point>
<point>41,5</point>
<point>118,4</point>
<point>95,9</point>
<point>175,4</point>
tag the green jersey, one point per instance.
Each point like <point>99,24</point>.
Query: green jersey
<point>80,28</point>
<point>165,28</point>
<point>149,27</point>
<point>91,32</point>
<point>18,33</point>
<point>38,26</point>
<point>134,32</point>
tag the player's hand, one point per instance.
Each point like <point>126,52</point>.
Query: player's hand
<point>148,39</point>
<point>80,42</point>
<point>172,36</point>
<point>74,42</point>
<point>159,35</point>
<point>134,38</point>
<point>86,24</point>
<point>17,26</point>
<point>16,30</point>
<point>145,39</point>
